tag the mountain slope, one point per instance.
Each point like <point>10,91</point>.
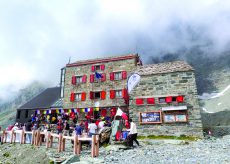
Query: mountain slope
<point>8,109</point>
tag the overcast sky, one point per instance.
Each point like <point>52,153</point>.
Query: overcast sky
<point>37,37</point>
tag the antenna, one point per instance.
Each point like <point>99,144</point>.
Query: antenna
<point>69,60</point>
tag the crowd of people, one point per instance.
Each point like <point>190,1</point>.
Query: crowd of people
<point>63,124</point>
<point>72,125</point>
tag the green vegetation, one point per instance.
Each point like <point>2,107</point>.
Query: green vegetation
<point>182,137</point>
<point>51,162</point>
<point>6,154</point>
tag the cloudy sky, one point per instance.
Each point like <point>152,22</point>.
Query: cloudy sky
<point>37,37</point>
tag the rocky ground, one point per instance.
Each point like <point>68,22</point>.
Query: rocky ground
<point>212,150</point>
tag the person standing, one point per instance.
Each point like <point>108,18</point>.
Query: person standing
<point>28,128</point>
<point>78,129</point>
<point>132,134</point>
<point>59,126</point>
<point>92,128</point>
<point>66,128</point>
<point>101,125</point>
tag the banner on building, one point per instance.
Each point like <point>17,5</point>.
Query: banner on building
<point>133,80</point>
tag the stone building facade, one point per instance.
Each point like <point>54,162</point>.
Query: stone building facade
<point>98,84</point>
<point>163,103</point>
<point>169,89</point>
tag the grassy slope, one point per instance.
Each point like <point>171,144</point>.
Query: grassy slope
<point>7,118</point>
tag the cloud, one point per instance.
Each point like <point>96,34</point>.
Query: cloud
<point>38,37</point>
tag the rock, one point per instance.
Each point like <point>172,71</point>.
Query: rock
<point>71,159</point>
<point>174,142</point>
<point>105,135</point>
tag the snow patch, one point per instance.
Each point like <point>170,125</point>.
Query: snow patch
<point>204,109</point>
<point>206,96</point>
<point>221,93</point>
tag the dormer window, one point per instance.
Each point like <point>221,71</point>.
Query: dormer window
<point>97,67</point>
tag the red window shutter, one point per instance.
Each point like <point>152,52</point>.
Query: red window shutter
<point>112,94</point>
<point>150,100</point>
<point>103,77</point>
<point>74,80</point>
<point>103,94</point>
<point>91,95</point>
<point>84,79</point>
<point>124,93</point>
<point>111,76</point>
<point>72,97</point>
<point>91,78</point>
<point>83,96</point>
<point>124,74</point>
<point>139,101</point>
<point>92,68</point>
<point>102,67</point>
<point>168,99</point>
<point>180,99</point>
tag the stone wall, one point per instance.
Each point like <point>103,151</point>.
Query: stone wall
<point>128,65</point>
<point>162,85</point>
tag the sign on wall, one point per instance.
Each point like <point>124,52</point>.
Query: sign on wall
<point>170,118</point>
<point>153,117</point>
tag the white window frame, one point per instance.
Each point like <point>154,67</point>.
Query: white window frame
<point>79,79</point>
<point>118,93</point>
<point>77,96</point>
<point>118,75</point>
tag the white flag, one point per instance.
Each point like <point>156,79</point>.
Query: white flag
<point>119,112</point>
<point>133,80</point>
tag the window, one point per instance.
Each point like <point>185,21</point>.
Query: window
<point>18,114</point>
<point>97,95</point>
<point>162,100</point>
<point>78,97</point>
<point>26,114</point>
<point>117,75</point>
<point>118,93</point>
<point>174,99</point>
<point>79,79</point>
<point>97,67</point>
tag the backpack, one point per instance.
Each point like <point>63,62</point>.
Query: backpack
<point>59,125</point>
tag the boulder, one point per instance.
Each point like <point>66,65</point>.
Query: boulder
<point>105,135</point>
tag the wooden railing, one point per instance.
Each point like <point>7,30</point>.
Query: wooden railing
<point>37,136</point>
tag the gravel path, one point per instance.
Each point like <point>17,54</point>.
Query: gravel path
<point>167,151</point>
<point>206,151</point>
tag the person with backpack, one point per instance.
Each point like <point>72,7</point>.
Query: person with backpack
<point>59,126</point>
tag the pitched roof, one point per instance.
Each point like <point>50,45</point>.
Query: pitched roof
<point>176,66</point>
<point>44,100</point>
<point>102,60</point>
